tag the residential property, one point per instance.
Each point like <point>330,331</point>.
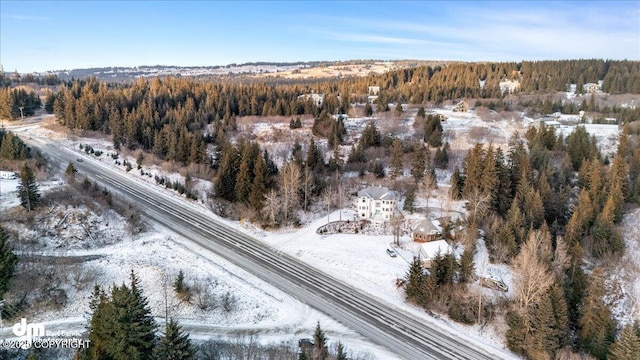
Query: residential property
<point>547,121</point>
<point>462,106</point>
<point>317,99</point>
<point>429,251</point>
<point>376,203</point>
<point>426,231</point>
<point>590,88</point>
<point>374,90</point>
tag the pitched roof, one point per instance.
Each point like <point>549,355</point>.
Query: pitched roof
<point>426,227</point>
<point>377,193</point>
<point>429,250</point>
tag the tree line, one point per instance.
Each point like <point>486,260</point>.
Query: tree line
<point>549,208</point>
<point>12,100</point>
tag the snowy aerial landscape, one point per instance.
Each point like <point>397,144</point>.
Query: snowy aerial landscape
<point>369,180</point>
<point>252,307</point>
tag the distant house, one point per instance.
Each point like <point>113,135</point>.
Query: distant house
<point>462,106</point>
<point>590,88</point>
<point>429,251</point>
<point>374,90</point>
<point>376,203</point>
<point>317,99</point>
<point>548,121</point>
<point>426,231</point>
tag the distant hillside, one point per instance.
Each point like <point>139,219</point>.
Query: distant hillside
<point>296,70</point>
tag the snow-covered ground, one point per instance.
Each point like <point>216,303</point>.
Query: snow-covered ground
<point>623,280</point>
<point>359,260</point>
<point>9,193</point>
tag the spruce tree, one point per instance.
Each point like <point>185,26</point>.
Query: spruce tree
<point>244,179</point>
<point>175,345</point>
<point>466,266</point>
<point>320,348</point>
<point>596,326</point>
<point>341,352</point>
<point>627,347</point>
<point>418,163</point>
<point>413,280</point>
<point>457,184</point>
<point>259,187</point>
<point>8,262</point>
<point>28,190</point>
<point>396,164</point>
<point>144,324</point>
<point>409,201</point>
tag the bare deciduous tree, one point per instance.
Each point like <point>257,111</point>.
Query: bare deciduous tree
<point>429,184</point>
<point>341,197</point>
<point>290,185</point>
<point>272,205</point>
<point>478,205</point>
<point>531,275</point>
<point>327,197</point>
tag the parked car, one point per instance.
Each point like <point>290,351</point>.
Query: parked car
<point>392,253</point>
<point>79,160</point>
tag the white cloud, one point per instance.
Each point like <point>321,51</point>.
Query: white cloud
<point>562,31</point>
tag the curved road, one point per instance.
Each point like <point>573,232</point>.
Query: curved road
<point>399,331</point>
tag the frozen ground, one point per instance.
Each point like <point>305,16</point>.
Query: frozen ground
<point>624,281</point>
<point>359,260</point>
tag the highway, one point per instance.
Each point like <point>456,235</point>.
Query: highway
<point>397,330</point>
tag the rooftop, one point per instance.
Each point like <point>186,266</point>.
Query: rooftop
<point>377,193</point>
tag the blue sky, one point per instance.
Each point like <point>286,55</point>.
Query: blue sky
<point>39,36</point>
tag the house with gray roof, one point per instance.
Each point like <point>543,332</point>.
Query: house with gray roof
<point>376,203</point>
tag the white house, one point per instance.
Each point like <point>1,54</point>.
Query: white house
<point>317,99</point>
<point>590,88</point>
<point>376,203</point>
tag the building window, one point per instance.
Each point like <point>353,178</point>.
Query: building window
<point>362,215</point>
